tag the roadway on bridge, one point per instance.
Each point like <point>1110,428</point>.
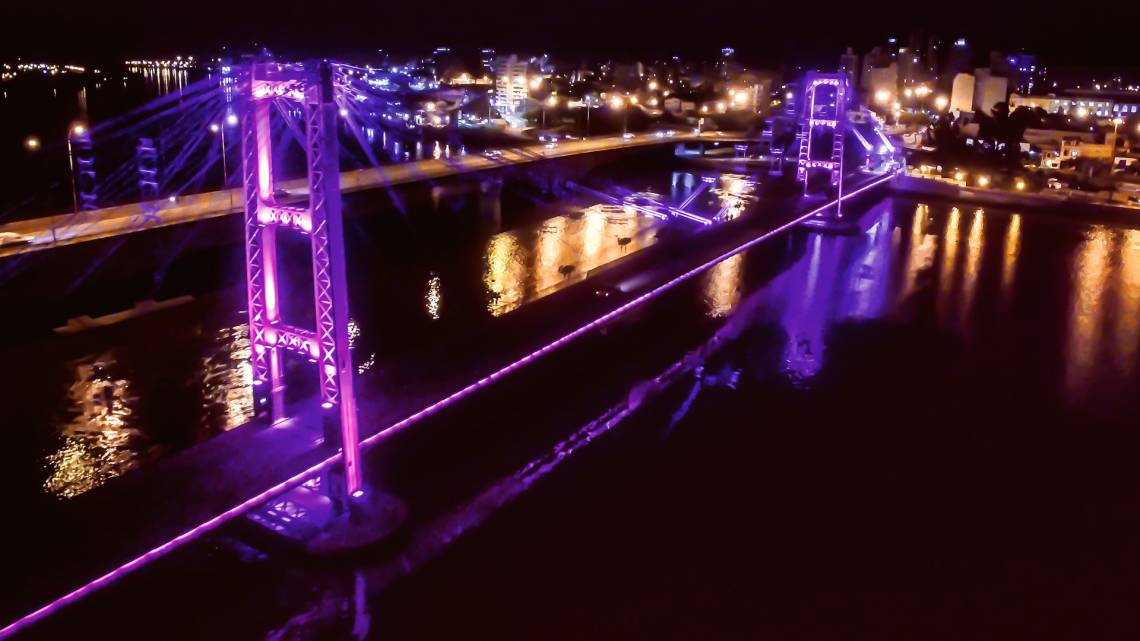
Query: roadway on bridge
<point>67,229</point>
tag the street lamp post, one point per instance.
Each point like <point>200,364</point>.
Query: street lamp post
<point>617,103</point>
<point>32,144</point>
<point>549,102</point>
<point>76,130</point>
<point>217,129</point>
<point>589,103</point>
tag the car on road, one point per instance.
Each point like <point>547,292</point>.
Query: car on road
<point>1053,183</point>
<point>606,291</point>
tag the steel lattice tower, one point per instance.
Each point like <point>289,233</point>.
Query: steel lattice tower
<point>319,219</point>
<point>824,105</point>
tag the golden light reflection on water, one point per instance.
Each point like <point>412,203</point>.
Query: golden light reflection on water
<point>946,277</point>
<point>433,298</point>
<point>99,437</point>
<point>522,265</point>
<point>1009,259</point>
<point>1128,314</point>
<point>1086,313</point>
<point>163,79</point>
<point>505,273</point>
<point>974,244</point>
<point>723,286</point>
<point>734,192</point>
<point>227,380</point>
<point>920,252</point>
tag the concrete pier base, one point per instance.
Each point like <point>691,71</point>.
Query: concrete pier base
<point>831,224</point>
<point>305,519</point>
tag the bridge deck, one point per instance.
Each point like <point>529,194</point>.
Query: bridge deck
<point>66,229</point>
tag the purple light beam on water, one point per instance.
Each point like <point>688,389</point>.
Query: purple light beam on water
<point>213,523</point>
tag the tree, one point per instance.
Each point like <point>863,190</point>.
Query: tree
<point>1005,130</point>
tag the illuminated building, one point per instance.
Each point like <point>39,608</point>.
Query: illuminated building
<point>959,60</point>
<point>1082,103</point>
<point>1020,68</point>
<point>511,88</point>
<point>849,64</point>
<point>487,60</point>
<point>910,68</point>
<point>1048,104</point>
<point>882,84</point>
<point>988,90</point>
<point>962,94</point>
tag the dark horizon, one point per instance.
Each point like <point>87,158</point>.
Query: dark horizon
<point>762,34</point>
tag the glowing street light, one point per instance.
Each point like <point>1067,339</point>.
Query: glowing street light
<point>983,181</point>
<point>232,120</point>
<point>215,128</point>
<point>653,85</point>
<point>941,102</point>
<point>536,82</point>
<point>1082,112</point>
<point>1019,185</point>
<point>617,103</point>
<point>78,129</point>
<point>551,101</point>
<point>31,143</point>
<point>882,96</point>
<point>589,100</point>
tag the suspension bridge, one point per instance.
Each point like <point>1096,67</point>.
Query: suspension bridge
<point>290,120</point>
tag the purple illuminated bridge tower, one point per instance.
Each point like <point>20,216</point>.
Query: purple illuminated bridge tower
<point>824,112</point>
<point>310,89</point>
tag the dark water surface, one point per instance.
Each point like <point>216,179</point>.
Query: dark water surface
<point>925,431</point>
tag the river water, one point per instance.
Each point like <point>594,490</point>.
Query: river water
<point>937,412</point>
<point>923,430</point>
<point>101,402</point>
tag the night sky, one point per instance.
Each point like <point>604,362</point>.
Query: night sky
<point>762,32</point>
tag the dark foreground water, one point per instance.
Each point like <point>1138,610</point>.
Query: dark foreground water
<point>926,430</point>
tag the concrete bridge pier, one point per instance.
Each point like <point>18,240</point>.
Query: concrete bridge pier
<point>553,184</point>
<point>491,200</point>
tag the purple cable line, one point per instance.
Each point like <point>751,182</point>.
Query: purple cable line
<point>296,479</point>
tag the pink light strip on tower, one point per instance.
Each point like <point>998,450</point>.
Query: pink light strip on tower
<point>296,479</point>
